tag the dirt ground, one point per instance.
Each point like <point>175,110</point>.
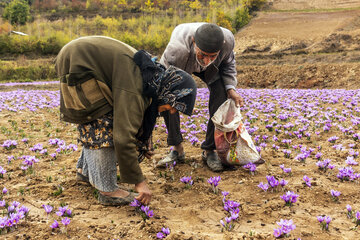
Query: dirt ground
<point>277,50</point>
<point>300,49</point>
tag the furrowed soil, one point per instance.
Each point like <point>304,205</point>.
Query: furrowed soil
<point>278,49</point>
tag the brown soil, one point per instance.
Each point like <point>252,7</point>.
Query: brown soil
<point>300,49</point>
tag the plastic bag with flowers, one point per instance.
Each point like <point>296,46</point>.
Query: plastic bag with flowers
<point>234,145</point>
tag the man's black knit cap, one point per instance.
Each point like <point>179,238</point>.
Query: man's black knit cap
<point>209,38</point>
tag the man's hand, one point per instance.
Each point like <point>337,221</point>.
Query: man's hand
<point>144,193</point>
<point>239,101</point>
<point>149,154</point>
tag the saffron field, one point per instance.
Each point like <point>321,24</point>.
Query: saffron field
<point>307,189</point>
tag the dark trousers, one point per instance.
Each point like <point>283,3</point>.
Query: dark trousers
<point>217,97</point>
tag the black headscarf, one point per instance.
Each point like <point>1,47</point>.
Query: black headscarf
<point>171,86</point>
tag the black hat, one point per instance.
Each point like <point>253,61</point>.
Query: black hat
<point>209,38</point>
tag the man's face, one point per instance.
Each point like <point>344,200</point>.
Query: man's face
<point>204,58</point>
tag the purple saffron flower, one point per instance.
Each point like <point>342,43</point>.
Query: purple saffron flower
<point>272,181</point>
<point>289,198</point>
<point>54,225</point>
<point>335,194</point>
<point>307,180</point>
<point>348,208</point>
<point>277,232</point>
<point>214,181</point>
<point>187,181</point>
<point>165,230</point>
<point>350,161</point>
<point>65,221</point>
<point>47,208</point>
<point>135,203</point>
<point>283,182</point>
<point>320,218</point>
<point>4,191</point>
<point>160,235</point>
<point>263,186</point>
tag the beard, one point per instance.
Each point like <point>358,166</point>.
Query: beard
<point>202,64</point>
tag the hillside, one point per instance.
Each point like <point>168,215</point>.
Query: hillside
<point>314,48</point>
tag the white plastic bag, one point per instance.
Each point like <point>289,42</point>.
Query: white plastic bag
<point>233,143</point>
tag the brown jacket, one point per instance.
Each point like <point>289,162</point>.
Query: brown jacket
<point>98,75</point>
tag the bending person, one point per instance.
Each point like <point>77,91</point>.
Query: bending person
<point>114,94</point>
<point>207,51</point>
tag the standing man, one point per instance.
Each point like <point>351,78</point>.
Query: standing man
<point>207,51</point>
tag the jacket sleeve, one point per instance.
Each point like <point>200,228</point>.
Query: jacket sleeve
<point>129,111</point>
<point>178,49</point>
<point>175,55</point>
<point>228,65</point>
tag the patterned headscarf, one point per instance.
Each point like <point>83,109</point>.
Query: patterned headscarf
<point>171,86</point>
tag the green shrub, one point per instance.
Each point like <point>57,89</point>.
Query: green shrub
<point>224,20</point>
<point>253,5</point>
<point>242,17</point>
<point>17,12</point>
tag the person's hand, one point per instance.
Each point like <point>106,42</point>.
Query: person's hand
<point>239,101</point>
<point>149,154</point>
<point>144,193</point>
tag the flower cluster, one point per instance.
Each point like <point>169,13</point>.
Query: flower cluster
<point>9,144</point>
<point>163,234</point>
<point>324,222</point>
<point>251,167</point>
<point>335,195</point>
<point>346,174</point>
<point>351,161</point>
<point>324,165</point>
<point>285,170</point>
<point>214,182</point>
<point>232,209</point>
<point>289,198</point>
<point>355,217</point>
<point>64,213</point>
<point>28,162</point>
<point>188,181</point>
<point>144,211</point>
<point>285,227</point>
<point>273,183</point>
<point>13,214</point>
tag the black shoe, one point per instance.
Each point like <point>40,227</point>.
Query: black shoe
<point>213,162</point>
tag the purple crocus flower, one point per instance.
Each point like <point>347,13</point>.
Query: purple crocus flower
<point>263,186</point>
<point>285,227</point>
<point>350,161</point>
<point>283,182</point>
<point>65,221</point>
<point>335,194</point>
<point>187,181</point>
<point>289,198</point>
<point>357,218</point>
<point>47,208</point>
<point>251,167</point>
<point>135,203</point>
<point>54,225</point>
<point>307,180</point>
<point>165,230</point>
<point>160,235</point>
<point>277,232</point>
